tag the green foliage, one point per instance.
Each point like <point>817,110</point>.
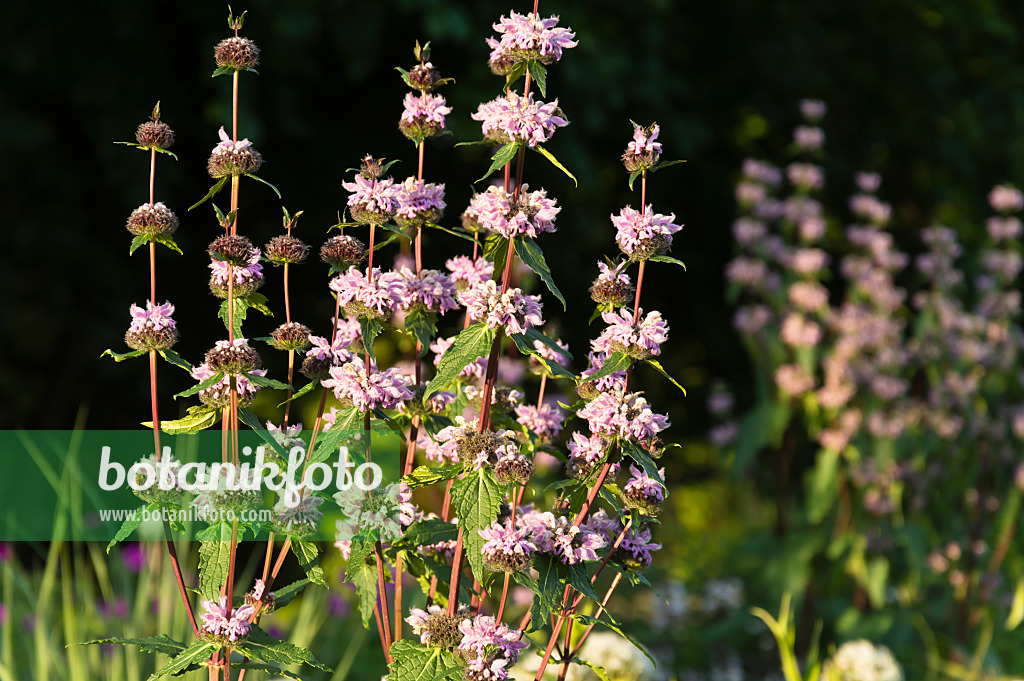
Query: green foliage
<point>188,658</point>
<point>555,162</point>
<point>533,257</point>
<point>411,661</point>
<point>474,341</point>
<point>477,500</point>
<point>501,158</point>
<point>422,476</point>
<point>259,645</point>
<point>214,558</point>
<point>308,554</point>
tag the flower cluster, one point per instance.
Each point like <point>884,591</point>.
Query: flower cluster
<point>365,388</point>
<point>511,118</point>
<point>365,293</point>
<point>531,214</point>
<point>233,158</point>
<point>423,115</point>
<point>222,622</point>
<point>642,235</point>
<point>246,278</point>
<point>640,340</point>
<point>525,37</point>
<point>513,311</point>
<point>419,202</point>
<point>152,328</point>
<point>372,200</point>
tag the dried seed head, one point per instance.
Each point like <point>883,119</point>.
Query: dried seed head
<point>152,339</point>
<point>236,53</point>
<point>152,218</point>
<point>609,292</point>
<point>371,167</point>
<point>658,244</point>
<point>513,468</point>
<point>155,134</point>
<point>238,160</point>
<point>342,251</point>
<point>291,336</point>
<point>420,128</point>
<point>286,250</point>
<point>231,248</point>
<point>233,358</point>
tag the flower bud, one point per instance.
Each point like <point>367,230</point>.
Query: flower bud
<point>155,219</point>
<point>155,134</point>
<point>286,250</point>
<point>291,336</point>
<point>342,251</point>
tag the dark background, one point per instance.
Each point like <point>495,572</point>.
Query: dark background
<point>929,93</point>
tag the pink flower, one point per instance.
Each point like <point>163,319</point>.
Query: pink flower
<point>614,381</point>
<point>531,215</point>
<point>226,145</point>
<point>808,138</point>
<point>371,199</point>
<point>377,295</point>
<point>368,389</point>
<point>644,142</point>
<point>431,291</point>
<point>634,228</point>
<point>805,176</point>
<point>419,201</point>
<point>511,118</point>
<point>646,485</point>
<point>572,544</point>
<point>217,622</point>
<point>153,318</point>
<point>426,108</point>
<point>546,421</point>
<point>639,546</point>
<point>868,182</point>
<point>506,540</point>
<point>251,272</point>
<point>527,36</point>
<point>812,109</point>
<point>512,310</point>
<point>622,335</point>
<point>467,273</point>
<point>626,416</point>
<point>1006,198</point>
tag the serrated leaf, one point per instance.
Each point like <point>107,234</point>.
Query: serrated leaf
<point>214,556</point>
<point>258,302</point>
<point>412,661</point>
<point>162,644</point>
<point>120,357</point>
<point>239,315</point>
<point>250,419</point>
<point>138,242</point>
<point>359,551</point>
<point>127,527</point>
<point>260,645</point>
<point>661,370</point>
<point>533,257</point>
<point>201,386</point>
<point>369,329</point>
<point>477,499</point>
<point>347,421</point>
<point>547,590</point>
<point>198,417</point>
<point>579,579</point>
<point>422,476</point>
<point>617,361</point>
<point>517,72</point>
<point>364,578</point>
<point>423,327</point>
<point>431,531</point>
<point>300,392</point>
<point>168,241</point>
<point>222,71</point>
<point>501,157</point>
<point>496,250</point>
<point>260,179</point>
<point>668,259</point>
<point>192,655</point>
<point>308,554</point>
<point>265,382</point>
<point>539,75</point>
<point>284,595</point>
<point>554,161</point>
<point>213,191</point>
<point>174,358</point>
<point>474,341</point>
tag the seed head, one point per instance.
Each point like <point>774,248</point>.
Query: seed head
<point>424,77</point>
<point>155,134</point>
<point>513,468</point>
<point>371,167</point>
<point>152,339</point>
<point>291,336</point>
<point>658,244</point>
<point>233,357</point>
<point>342,251</point>
<point>241,289</point>
<point>611,292</point>
<point>286,250</point>
<point>317,368</point>
<point>232,249</point>
<point>152,218</point>
<point>236,53</point>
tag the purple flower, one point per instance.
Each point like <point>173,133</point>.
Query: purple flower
<point>546,421</point>
<point>153,318</point>
<point>808,261</point>
<point>226,145</point>
<point>418,620</point>
<point>641,340</point>
<point>643,141</point>
<point>372,200</point>
<point>614,381</point>
<point>549,354</point>
<point>812,109</point>
<point>418,202</point>
<point>762,172</point>
<point>464,442</point>
<point>423,114</point>
<point>368,389</point>
<point>467,273</point>
<point>483,632</point>
<point>644,484</point>
<point>808,138</point>
<point>634,230</point>
<point>249,274</point>
<point>218,394</point>
<point>805,176</point>
<point>133,557</point>
<point>511,118</point>
<point>506,547</point>
<point>793,381</point>
<point>868,182</point>
<point>1006,198</point>
<point>431,291</point>
<point>590,449</point>
<point>527,36</point>
<point>217,622</point>
<point>572,544</point>
<point>335,354</point>
<point>512,310</point>
<point>626,416</point>
<point>376,296</point>
<point>639,546</point>
<point>531,215</point>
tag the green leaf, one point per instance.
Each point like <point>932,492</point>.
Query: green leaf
<point>364,577</point>
<point>821,485</point>
<point>127,527</point>
<point>284,595</point>
<point>661,370</point>
<point>533,257</point>
<point>454,232</point>
<point>201,386</point>
<point>193,655</point>
<point>349,420</point>
<point>423,327</point>
<point>265,382</point>
<point>274,671</point>
<point>370,328</point>
<point>241,305</point>
<point>517,72</point>
<point>539,75</point>
<point>256,177</point>
<point>175,359</point>
<point>308,554</point>
<point>597,669</point>
<point>198,417</point>
<point>213,191</point>
<point>501,157</point>
<point>261,646</point>
<point>412,661</point>
<point>161,645</point>
<point>617,361</point>
<point>138,242</point>
<point>665,258</point>
<point>422,476</point>
<point>360,550</point>
<point>432,531</point>
<point>477,500</point>
<point>214,556</point>
<point>250,419</point>
<point>258,302</point>
<point>554,161</point>
<point>640,455</point>
<point>547,590</point>
<point>164,151</point>
<point>496,250</point>
<point>1013,620</point>
<point>614,626</point>
<point>632,176</point>
<point>168,240</point>
<point>535,335</point>
<point>300,392</point>
<point>120,357</point>
<point>472,342</point>
<point>667,164</point>
<point>579,579</point>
